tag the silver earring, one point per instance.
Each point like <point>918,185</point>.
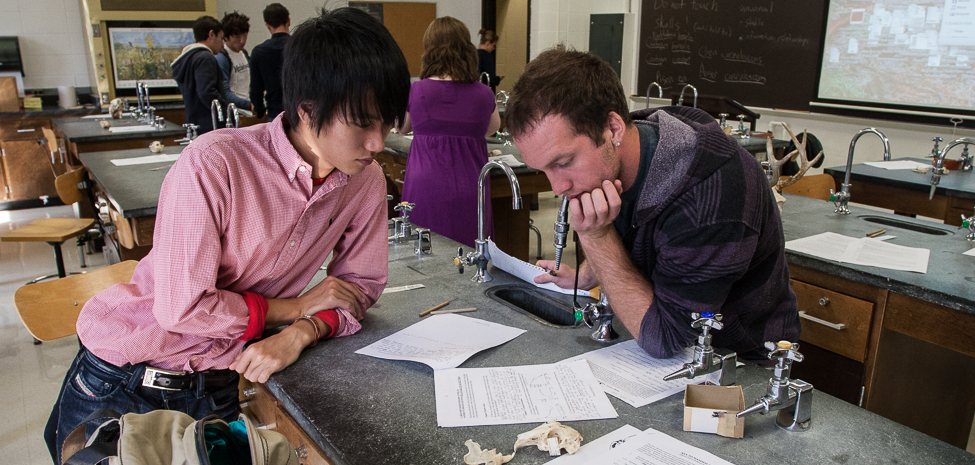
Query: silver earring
<point>616,143</point>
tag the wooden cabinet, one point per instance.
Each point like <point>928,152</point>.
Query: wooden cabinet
<point>925,369</point>
<point>392,167</point>
<point>905,359</point>
<point>266,411</point>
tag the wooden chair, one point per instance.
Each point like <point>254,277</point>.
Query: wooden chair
<point>55,231</point>
<point>816,186</point>
<point>50,309</point>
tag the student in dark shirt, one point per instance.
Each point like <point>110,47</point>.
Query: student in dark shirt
<point>197,73</point>
<point>485,57</point>
<point>266,60</point>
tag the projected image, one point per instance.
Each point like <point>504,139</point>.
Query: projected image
<point>900,52</point>
<point>146,54</point>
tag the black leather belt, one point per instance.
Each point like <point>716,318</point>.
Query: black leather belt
<point>166,380</point>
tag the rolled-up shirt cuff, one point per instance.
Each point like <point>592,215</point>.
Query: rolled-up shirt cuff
<point>331,318</point>
<point>257,311</point>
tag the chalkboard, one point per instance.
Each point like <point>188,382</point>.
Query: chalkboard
<point>763,53</point>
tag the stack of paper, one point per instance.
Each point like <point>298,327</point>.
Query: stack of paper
<point>898,165</point>
<point>625,371</point>
<point>146,159</point>
<point>862,251</point>
<point>628,446</point>
<point>140,128</point>
<point>521,394</point>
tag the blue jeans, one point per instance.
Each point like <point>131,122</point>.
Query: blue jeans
<point>92,384</point>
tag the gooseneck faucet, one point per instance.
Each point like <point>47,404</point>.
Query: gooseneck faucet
<point>939,162</point>
<point>706,359</point>
<point>485,78</point>
<point>480,256</point>
<point>842,198</point>
<point>680,100</point>
<point>216,113</point>
<point>660,92</point>
<point>792,398</point>
<point>233,116</point>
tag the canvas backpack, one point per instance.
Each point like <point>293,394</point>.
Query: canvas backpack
<point>168,437</point>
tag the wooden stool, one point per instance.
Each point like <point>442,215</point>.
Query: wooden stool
<point>54,231</point>
<point>50,309</point>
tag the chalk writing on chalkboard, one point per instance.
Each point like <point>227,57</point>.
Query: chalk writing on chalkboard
<point>761,53</point>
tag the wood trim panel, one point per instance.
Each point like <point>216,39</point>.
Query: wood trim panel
<point>948,328</point>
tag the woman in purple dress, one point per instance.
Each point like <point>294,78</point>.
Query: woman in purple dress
<point>450,113</point>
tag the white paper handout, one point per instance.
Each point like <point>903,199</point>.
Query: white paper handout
<point>628,373</point>
<point>970,252</point>
<point>524,270</point>
<point>520,394</point>
<point>863,251</point>
<point>595,451</point>
<point>145,160</point>
<point>140,128</point>
<point>652,447</point>
<point>441,341</point>
<point>508,159</point>
<point>104,115</point>
<point>898,165</point>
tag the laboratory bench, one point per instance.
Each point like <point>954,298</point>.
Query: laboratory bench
<point>355,409</point>
<point>907,192</point>
<point>84,135</point>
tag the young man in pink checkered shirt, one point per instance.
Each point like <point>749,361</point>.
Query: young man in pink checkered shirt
<point>245,219</point>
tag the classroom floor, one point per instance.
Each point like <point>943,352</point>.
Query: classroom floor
<point>30,375</point>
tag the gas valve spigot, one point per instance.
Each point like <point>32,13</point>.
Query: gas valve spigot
<point>598,315</point>
<point>969,222</point>
<point>792,398</point>
<point>706,358</point>
<point>403,231</point>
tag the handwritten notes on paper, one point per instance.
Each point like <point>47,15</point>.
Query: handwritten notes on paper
<point>862,251</point>
<point>524,270</point>
<point>627,372</point>
<point>520,394</point>
<point>441,341</point>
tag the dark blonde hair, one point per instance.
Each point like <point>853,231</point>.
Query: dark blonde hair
<point>447,50</point>
<point>488,36</point>
<point>578,86</point>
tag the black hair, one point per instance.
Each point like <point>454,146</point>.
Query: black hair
<point>276,15</point>
<point>234,24</point>
<point>203,26</point>
<point>344,63</point>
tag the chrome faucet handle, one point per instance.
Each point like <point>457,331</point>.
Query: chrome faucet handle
<point>934,151</point>
<point>786,352</point>
<point>724,120</point>
<point>969,222</point>
<point>460,260</point>
<point>840,200</point>
<point>741,127</point>
<point>706,358</point>
<point>424,243</point>
<point>599,316</point>
<point>501,98</point>
<point>561,230</point>
<point>966,159</point>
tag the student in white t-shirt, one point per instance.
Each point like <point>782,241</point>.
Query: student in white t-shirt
<point>234,61</point>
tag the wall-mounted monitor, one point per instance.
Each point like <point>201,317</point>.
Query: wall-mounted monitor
<point>900,54</point>
<point>10,59</point>
<point>146,54</point>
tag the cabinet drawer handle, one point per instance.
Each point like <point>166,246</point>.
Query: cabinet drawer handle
<point>823,301</point>
<point>836,326</point>
<point>26,130</point>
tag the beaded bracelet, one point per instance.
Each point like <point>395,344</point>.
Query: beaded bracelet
<point>318,331</point>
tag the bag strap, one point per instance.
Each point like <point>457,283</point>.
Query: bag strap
<point>103,445</point>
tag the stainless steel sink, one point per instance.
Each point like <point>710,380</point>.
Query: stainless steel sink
<point>895,223</point>
<point>536,304</point>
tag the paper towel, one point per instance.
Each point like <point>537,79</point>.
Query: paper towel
<point>66,97</point>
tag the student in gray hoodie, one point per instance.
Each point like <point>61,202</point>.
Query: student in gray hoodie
<point>198,74</point>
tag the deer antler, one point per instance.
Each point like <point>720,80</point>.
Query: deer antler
<point>804,163</point>
<point>776,164</point>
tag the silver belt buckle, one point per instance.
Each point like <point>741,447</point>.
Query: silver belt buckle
<point>150,376</point>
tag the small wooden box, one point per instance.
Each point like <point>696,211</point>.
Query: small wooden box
<point>8,94</point>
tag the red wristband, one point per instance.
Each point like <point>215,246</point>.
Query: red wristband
<point>331,318</point>
<point>257,311</point>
